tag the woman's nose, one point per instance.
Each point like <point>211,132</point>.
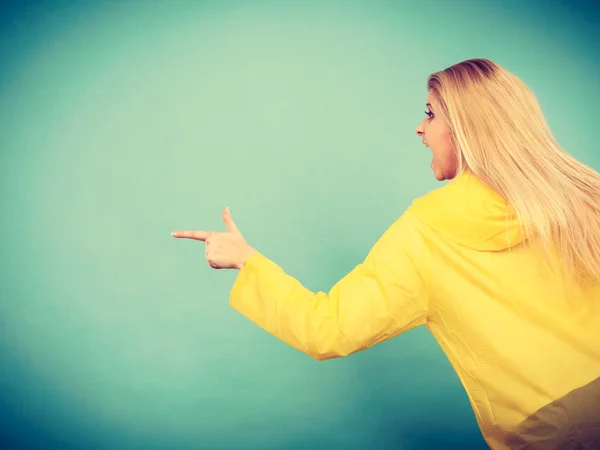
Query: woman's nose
<point>420,129</point>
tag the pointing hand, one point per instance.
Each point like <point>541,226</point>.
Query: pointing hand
<point>224,250</point>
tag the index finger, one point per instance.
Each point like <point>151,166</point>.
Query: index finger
<point>196,235</point>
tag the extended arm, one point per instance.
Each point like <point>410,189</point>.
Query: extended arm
<point>380,298</point>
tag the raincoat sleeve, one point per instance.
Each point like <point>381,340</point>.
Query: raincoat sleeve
<point>380,298</point>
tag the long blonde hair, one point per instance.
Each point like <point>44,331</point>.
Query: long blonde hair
<point>501,136</point>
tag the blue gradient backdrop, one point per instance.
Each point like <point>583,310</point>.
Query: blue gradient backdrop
<point>123,121</point>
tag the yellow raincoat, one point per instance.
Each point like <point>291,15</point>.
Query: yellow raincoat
<point>523,338</point>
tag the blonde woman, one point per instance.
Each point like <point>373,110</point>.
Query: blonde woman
<point>502,265</point>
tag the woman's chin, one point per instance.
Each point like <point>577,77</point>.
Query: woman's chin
<point>439,175</point>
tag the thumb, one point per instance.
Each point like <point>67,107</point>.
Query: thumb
<point>229,223</point>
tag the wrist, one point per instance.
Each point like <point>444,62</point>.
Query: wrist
<point>247,254</point>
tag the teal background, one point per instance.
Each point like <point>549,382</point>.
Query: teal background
<point>123,121</point>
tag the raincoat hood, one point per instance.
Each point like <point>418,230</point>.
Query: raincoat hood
<point>468,212</point>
